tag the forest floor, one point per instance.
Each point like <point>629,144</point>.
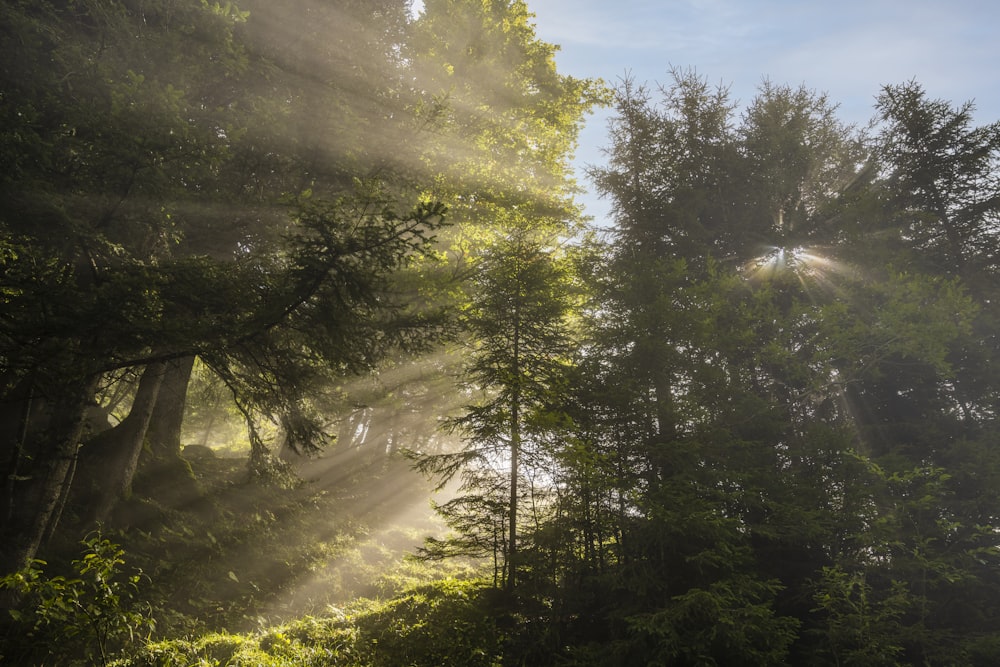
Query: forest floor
<point>242,554</point>
<point>248,574</point>
<point>317,571</point>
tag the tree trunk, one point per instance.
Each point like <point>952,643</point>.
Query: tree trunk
<point>515,447</point>
<point>49,456</point>
<point>15,414</point>
<point>164,433</point>
<point>163,472</point>
<point>110,459</point>
<point>662,454</point>
<point>666,428</point>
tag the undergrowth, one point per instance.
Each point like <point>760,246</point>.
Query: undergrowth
<point>442,623</point>
<point>249,574</point>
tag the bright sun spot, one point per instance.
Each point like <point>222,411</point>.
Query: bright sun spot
<point>777,260</point>
<point>808,264</point>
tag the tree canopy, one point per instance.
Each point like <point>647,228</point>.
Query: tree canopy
<point>748,420</point>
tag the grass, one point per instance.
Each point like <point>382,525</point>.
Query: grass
<point>442,623</point>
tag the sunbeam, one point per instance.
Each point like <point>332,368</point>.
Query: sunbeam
<point>812,266</point>
<point>368,557</point>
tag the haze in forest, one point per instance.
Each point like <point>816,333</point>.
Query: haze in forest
<point>313,351</point>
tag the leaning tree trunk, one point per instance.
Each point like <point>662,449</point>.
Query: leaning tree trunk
<point>47,459</point>
<point>17,402</point>
<point>164,434</point>
<point>163,473</point>
<point>109,459</point>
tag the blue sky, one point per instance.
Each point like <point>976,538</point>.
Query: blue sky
<point>848,49</point>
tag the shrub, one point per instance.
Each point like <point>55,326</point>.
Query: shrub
<point>80,619</point>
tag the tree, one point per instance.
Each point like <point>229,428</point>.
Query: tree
<point>744,384</point>
<point>940,173</point>
<point>516,321</point>
<point>665,173</point>
<point>501,122</point>
<point>914,388</point>
<point>110,259</point>
<point>797,160</point>
<point>940,186</point>
<point>162,473</point>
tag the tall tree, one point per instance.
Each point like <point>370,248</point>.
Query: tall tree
<point>797,159</point>
<point>665,163</point>
<point>941,173</point>
<point>501,125</point>
<point>517,325</point>
<point>921,399</point>
<point>124,146</point>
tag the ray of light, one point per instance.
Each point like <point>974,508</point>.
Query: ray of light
<point>395,520</point>
<point>817,272</point>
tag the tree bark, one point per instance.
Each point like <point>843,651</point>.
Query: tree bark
<point>15,415</point>
<point>51,451</point>
<point>163,472</point>
<point>164,433</point>
<point>515,448</point>
<point>111,458</point>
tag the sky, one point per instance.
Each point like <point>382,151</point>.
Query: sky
<point>847,49</point>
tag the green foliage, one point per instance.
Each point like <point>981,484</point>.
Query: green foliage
<point>941,176</point>
<point>504,121</point>
<point>517,322</point>
<point>95,613</point>
<point>741,391</point>
<point>439,624</point>
<point>753,424</point>
<point>862,623</point>
<point>731,622</point>
<point>445,623</point>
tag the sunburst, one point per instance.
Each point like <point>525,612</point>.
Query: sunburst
<point>813,267</point>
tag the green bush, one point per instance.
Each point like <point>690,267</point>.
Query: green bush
<point>436,624</point>
<point>93,613</point>
<point>442,623</point>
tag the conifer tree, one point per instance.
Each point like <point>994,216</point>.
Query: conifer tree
<point>520,345</point>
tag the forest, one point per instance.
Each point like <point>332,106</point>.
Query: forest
<point>309,354</point>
